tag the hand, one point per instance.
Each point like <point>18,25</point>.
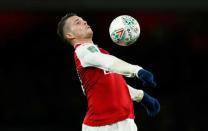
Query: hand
<point>151,105</point>
<point>146,77</point>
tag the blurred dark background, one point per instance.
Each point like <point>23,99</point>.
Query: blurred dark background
<point>39,86</point>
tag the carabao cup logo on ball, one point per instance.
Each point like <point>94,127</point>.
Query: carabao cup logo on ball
<point>124,30</point>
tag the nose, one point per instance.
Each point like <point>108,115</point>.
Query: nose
<point>84,22</point>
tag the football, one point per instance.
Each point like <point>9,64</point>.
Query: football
<point>124,30</point>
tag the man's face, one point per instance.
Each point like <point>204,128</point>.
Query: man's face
<point>77,28</point>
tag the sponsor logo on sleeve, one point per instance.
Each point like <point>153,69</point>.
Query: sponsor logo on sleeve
<point>92,49</point>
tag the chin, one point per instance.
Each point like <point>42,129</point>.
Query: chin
<point>90,34</point>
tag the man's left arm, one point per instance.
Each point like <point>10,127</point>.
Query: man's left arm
<point>151,105</point>
<point>136,94</point>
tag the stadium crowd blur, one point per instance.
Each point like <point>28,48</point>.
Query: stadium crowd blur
<point>40,89</point>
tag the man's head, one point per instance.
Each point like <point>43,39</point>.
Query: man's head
<point>74,29</point>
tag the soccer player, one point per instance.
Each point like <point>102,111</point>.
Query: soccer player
<point>110,106</point>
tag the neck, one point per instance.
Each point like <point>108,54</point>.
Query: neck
<point>81,41</point>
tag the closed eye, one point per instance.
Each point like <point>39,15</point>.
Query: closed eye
<point>78,22</point>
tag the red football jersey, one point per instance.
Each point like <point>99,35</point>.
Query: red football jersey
<point>107,93</point>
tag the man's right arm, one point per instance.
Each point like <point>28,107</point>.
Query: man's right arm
<point>89,55</point>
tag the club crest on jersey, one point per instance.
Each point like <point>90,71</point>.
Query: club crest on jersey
<point>92,49</point>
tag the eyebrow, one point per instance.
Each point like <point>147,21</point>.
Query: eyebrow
<point>77,20</point>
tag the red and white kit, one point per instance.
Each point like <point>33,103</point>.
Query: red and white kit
<point>108,95</point>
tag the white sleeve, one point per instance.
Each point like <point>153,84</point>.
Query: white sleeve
<point>136,95</point>
<point>89,55</point>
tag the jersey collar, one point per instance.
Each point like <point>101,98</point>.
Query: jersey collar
<point>78,44</point>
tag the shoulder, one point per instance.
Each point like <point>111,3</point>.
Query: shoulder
<point>84,49</point>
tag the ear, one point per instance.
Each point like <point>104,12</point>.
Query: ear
<point>70,36</point>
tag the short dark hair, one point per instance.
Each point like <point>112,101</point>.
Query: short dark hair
<point>61,24</point>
